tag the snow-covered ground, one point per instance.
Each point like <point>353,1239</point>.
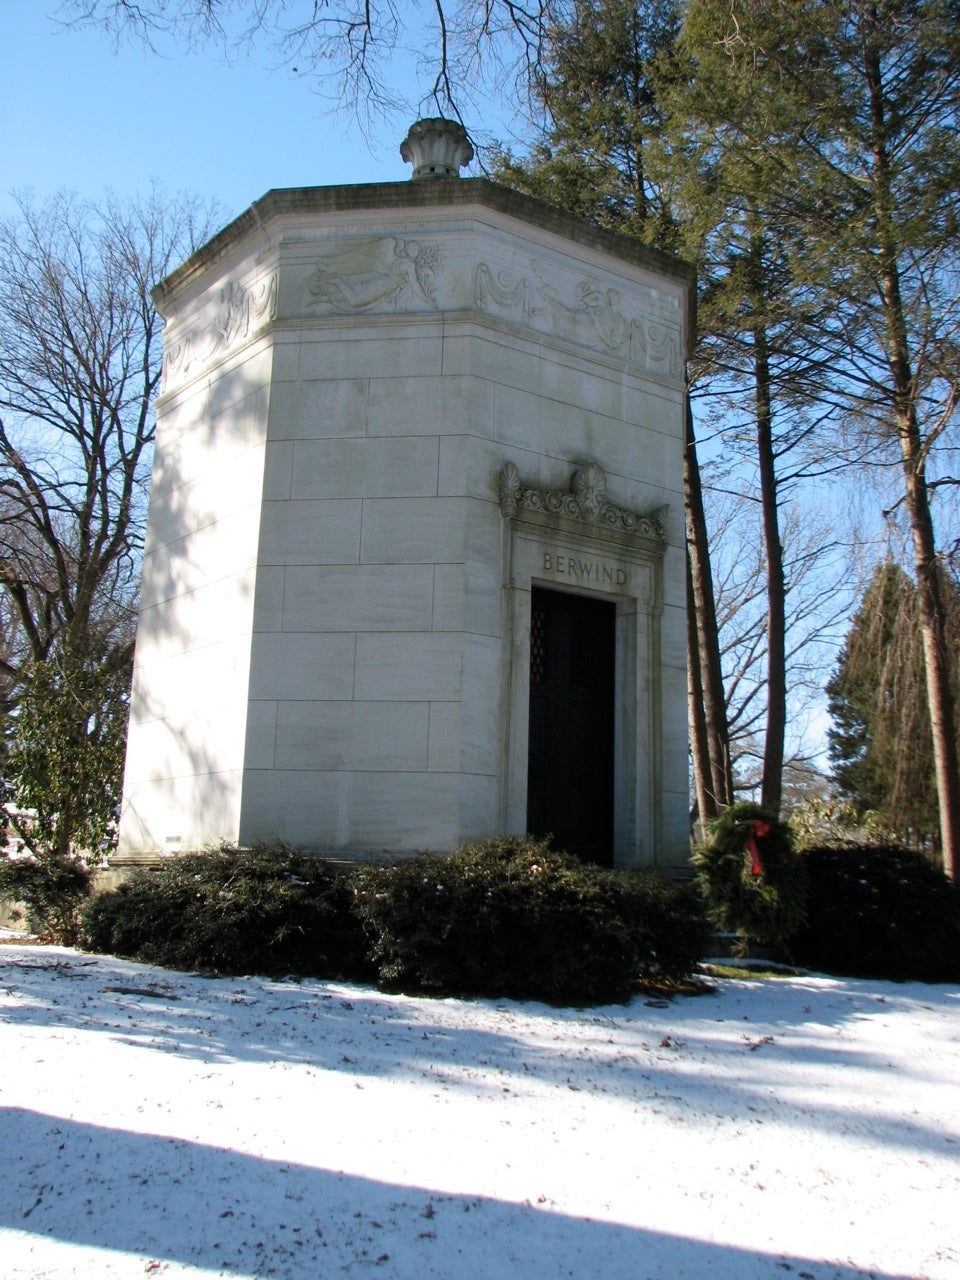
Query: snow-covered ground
<point>157,1123</point>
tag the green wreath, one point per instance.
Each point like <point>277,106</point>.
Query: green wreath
<point>754,882</point>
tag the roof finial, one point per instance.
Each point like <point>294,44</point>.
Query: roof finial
<point>436,148</point>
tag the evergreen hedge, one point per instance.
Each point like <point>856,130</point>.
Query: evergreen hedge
<point>510,917</point>
<point>879,911</point>
<point>267,910</point>
<point>507,917</point>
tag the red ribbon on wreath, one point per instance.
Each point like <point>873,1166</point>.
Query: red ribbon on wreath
<point>756,831</point>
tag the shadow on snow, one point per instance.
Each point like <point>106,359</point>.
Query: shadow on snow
<point>722,1060</point>
<point>260,1217</point>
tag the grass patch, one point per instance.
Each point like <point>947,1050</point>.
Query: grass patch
<point>749,970</point>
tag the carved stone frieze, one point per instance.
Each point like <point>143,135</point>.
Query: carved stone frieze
<point>394,275</point>
<point>590,314</point>
<point>241,310</point>
<point>505,293</point>
<point>586,501</point>
<point>391,275</point>
<point>386,272</point>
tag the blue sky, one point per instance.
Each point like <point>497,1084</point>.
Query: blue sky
<point>76,113</point>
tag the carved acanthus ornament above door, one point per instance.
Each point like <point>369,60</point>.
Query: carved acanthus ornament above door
<point>585,502</point>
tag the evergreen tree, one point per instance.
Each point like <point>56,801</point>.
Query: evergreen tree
<point>880,743</point>
<point>853,107</point>
<point>636,143</point>
<point>600,88</point>
<point>64,761</point>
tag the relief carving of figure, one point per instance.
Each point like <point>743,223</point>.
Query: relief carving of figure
<point>594,319</point>
<point>566,321</point>
<point>602,305</point>
<point>241,307</point>
<point>238,309</point>
<point>377,272</point>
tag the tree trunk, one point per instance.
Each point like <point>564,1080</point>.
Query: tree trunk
<point>699,750</point>
<point>930,608</point>
<point>704,643</point>
<point>771,785</point>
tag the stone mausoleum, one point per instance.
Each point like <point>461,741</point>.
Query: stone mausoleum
<point>414,563</point>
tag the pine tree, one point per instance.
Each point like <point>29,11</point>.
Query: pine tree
<point>880,743</point>
<point>755,356</point>
<point>600,89</point>
<point>853,106</point>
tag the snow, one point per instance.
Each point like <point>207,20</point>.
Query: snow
<point>168,1124</point>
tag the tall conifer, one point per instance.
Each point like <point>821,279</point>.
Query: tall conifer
<point>880,743</point>
<point>853,108</point>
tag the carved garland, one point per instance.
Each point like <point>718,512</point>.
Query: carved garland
<point>586,502</point>
<point>243,308</point>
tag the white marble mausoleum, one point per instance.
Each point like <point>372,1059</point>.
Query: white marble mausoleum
<point>414,569</point>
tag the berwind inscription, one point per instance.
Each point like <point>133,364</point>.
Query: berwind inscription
<point>591,571</point>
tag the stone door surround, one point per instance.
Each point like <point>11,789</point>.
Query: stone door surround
<point>581,542</point>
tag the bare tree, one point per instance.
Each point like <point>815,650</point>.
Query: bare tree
<point>79,368</point>
<point>350,49</point>
<point>817,603</point>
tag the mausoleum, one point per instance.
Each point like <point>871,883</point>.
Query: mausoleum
<point>414,568</point>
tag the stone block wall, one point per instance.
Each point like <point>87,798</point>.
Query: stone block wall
<point>333,643</point>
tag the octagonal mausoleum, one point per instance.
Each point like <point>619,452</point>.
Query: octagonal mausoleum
<point>414,568</point>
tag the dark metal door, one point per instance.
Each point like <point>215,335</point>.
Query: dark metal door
<point>570,764</point>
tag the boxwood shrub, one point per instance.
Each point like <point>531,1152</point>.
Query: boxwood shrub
<point>879,911</point>
<point>509,917</point>
<point>267,910</point>
<point>50,889</point>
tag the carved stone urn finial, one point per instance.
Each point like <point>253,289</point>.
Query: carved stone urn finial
<point>436,148</point>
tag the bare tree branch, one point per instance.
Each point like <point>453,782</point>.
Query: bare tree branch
<point>79,368</point>
<point>371,58</point>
